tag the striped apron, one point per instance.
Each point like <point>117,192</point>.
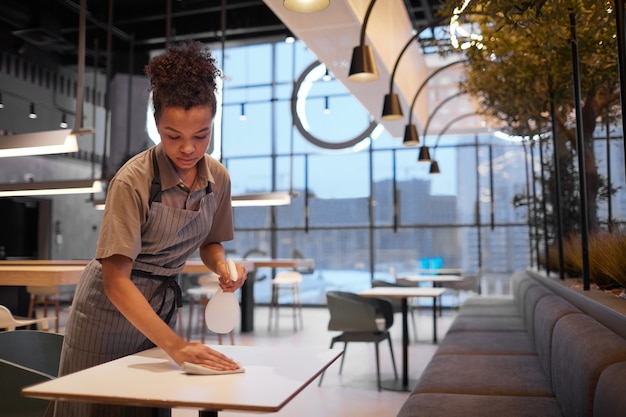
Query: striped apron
<point>97,332</point>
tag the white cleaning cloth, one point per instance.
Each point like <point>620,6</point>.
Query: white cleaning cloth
<point>195,369</point>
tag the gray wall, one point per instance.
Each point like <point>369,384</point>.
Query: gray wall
<point>22,83</point>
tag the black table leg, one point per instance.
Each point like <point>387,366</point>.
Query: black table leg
<point>207,413</point>
<point>435,319</point>
<point>405,343</point>
<point>247,303</point>
<point>404,384</point>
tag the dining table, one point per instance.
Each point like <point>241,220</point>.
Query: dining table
<point>23,273</point>
<point>41,272</point>
<point>437,280</point>
<point>272,376</point>
<point>448,270</point>
<point>405,293</point>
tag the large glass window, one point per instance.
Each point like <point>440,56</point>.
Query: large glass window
<point>362,209</point>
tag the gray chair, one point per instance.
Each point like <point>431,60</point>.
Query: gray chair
<point>397,302</point>
<point>360,319</point>
<point>27,357</point>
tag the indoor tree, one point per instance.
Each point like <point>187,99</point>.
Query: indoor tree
<point>520,70</point>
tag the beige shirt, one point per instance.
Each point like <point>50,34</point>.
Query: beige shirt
<point>127,203</point>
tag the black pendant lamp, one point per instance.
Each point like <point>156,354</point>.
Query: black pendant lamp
<point>411,138</point>
<point>424,155</point>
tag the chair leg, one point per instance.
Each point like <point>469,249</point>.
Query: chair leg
<point>393,358</point>
<point>378,367</point>
<point>273,305</point>
<point>299,304</point>
<point>343,357</point>
<point>413,322</point>
<point>31,307</point>
<point>295,304</point>
<point>319,384</point>
<point>57,312</point>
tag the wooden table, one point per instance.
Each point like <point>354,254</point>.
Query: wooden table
<point>39,274</point>
<point>65,272</point>
<point>404,293</point>
<point>273,376</point>
<point>195,266</point>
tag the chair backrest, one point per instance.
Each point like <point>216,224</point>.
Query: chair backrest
<point>13,378</point>
<point>395,302</point>
<point>349,312</point>
<point>32,349</point>
<point>7,321</point>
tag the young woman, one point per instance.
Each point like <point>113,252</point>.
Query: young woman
<point>162,205</point>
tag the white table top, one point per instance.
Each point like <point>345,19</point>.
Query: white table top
<point>443,271</point>
<point>402,292</point>
<point>431,278</point>
<point>272,377</point>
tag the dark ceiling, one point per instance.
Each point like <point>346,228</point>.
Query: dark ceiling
<point>46,31</point>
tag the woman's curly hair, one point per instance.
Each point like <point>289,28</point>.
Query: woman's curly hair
<point>184,76</point>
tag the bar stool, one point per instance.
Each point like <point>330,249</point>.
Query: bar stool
<point>201,294</point>
<point>286,280</point>
<point>44,296</point>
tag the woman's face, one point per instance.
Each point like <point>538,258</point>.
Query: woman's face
<point>185,134</point>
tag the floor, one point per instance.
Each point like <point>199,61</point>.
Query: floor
<point>354,392</point>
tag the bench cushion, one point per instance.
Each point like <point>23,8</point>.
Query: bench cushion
<point>548,311</point>
<point>463,405</point>
<point>486,324</point>
<point>492,343</point>
<point>485,375</point>
<point>581,349</point>
<point>610,400</point>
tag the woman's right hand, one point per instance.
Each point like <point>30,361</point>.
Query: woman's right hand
<point>200,354</point>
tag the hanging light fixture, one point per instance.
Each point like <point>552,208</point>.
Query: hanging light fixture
<point>51,142</point>
<point>411,138</point>
<point>424,155</point>
<point>63,124</point>
<point>392,109</point>
<point>434,168</point>
<point>32,114</point>
<point>306,6</point>
<point>50,188</point>
<point>326,106</point>
<point>242,115</point>
<point>1,102</point>
<point>276,198</point>
<point>363,65</point>
<point>39,143</point>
